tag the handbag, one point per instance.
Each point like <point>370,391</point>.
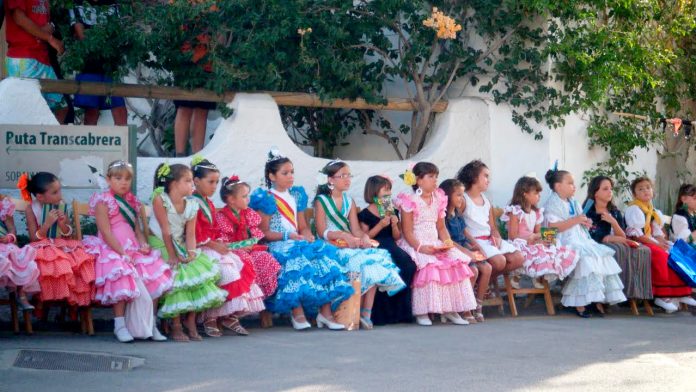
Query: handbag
<point>682,259</point>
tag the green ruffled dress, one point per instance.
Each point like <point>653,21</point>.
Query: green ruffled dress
<point>194,288</point>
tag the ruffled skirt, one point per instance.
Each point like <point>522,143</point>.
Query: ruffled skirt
<point>375,267</point>
<point>442,283</point>
<point>548,262</point>
<point>310,276</point>
<point>595,278</point>
<point>237,279</point>
<point>115,274</point>
<point>18,268</point>
<point>66,271</point>
<point>194,286</point>
<point>266,268</point>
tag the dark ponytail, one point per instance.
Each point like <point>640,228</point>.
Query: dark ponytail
<point>176,171</point>
<point>553,177</point>
<point>330,170</point>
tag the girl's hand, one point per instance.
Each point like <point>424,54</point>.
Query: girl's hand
<point>365,242</point>
<point>296,237</point>
<point>353,242</point>
<point>384,222</point>
<point>607,217</point>
<point>497,240</point>
<point>394,220</point>
<point>5,239</point>
<point>309,237</point>
<point>534,238</point>
<point>52,217</point>
<point>61,217</point>
<point>663,243</point>
<point>145,249</point>
<point>427,250</point>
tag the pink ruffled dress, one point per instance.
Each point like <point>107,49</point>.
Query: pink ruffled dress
<point>17,265</point>
<point>550,262</point>
<point>116,275</point>
<point>441,284</point>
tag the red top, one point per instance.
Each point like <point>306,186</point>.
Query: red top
<point>235,228</point>
<point>21,44</point>
<point>206,230</point>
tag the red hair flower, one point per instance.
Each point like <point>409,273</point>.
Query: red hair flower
<point>23,186</point>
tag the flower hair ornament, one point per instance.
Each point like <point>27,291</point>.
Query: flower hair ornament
<point>231,181</point>
<point>323,176</point>
<point>23,186</point>
<point>199,161</point>
<point>164,172</point>
<point>274,155</point>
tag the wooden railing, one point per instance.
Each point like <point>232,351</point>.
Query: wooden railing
<point>163,92</point>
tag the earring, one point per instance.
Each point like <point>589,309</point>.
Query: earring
<point>419,191</point>
<point>330,186</point>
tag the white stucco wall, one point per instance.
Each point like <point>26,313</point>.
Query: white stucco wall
<point>471,128</point>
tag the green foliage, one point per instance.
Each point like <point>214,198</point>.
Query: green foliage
<point>544,58</point>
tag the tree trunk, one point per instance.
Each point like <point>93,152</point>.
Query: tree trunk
<point>420,131</point>
<point>667,179</point>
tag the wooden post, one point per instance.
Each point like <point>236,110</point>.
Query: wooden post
<point>281,98</point>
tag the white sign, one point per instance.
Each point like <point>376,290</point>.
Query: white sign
<point>68,151</point>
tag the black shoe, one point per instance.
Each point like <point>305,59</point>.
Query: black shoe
<point>583,314</point>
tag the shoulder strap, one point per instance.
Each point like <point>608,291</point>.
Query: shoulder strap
<point>127,211</point>
<point>285,210</point>
<point>205,207</point>
<point>332,212</point>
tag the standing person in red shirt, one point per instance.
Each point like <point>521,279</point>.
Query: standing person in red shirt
<point>29,34</point>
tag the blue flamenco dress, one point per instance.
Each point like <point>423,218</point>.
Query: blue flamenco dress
<point>374,265</point>
<point>310,274</point>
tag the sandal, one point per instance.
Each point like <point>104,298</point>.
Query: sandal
<point>468,317</point>
<point>211,329</point>
<point>478,312</point>
<point>193,333</point>
<point>365,321</point>
<point>178,334</point>
<point>232,323</point>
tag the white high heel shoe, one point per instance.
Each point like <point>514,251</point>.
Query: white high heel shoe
<point>332,325</point>
<point>299,325</point>
<point>157,336</point>
<point>688,300</point>
<point>424,320</point>
<point>666,304</point>
<point>455,318</point>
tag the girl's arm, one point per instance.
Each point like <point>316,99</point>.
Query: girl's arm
<point>101,213</point>
<point>407,222</point>
<point>161,216</point>
<point>33,225</point>
<point>465,251</point>
<point>303,228</point>
<point>356,230</point>
<point>140,236</point>
<point>568,223</point>
<point>472,241</point>
<point>265,227</point>
<point>513,227</point>
<point>191,238</point>
<point>495,234</point>
<point>442,232</point>
<point>321,225</point>
<point>395,226</point>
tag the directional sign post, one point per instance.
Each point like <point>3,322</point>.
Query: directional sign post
<point>67,151</point>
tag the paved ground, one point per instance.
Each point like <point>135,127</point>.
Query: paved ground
<point>561,353</point>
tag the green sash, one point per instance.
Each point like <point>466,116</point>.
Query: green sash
<point>205,207</point>
<point>3,229</point>
<point>127,211</point>
<point>243,243</point>
<point>54,230</point>
<point>180,249</point>
<point>332,212</point>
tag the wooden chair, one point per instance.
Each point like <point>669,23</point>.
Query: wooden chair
<point>511,292</point>
<point>86,321</point>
